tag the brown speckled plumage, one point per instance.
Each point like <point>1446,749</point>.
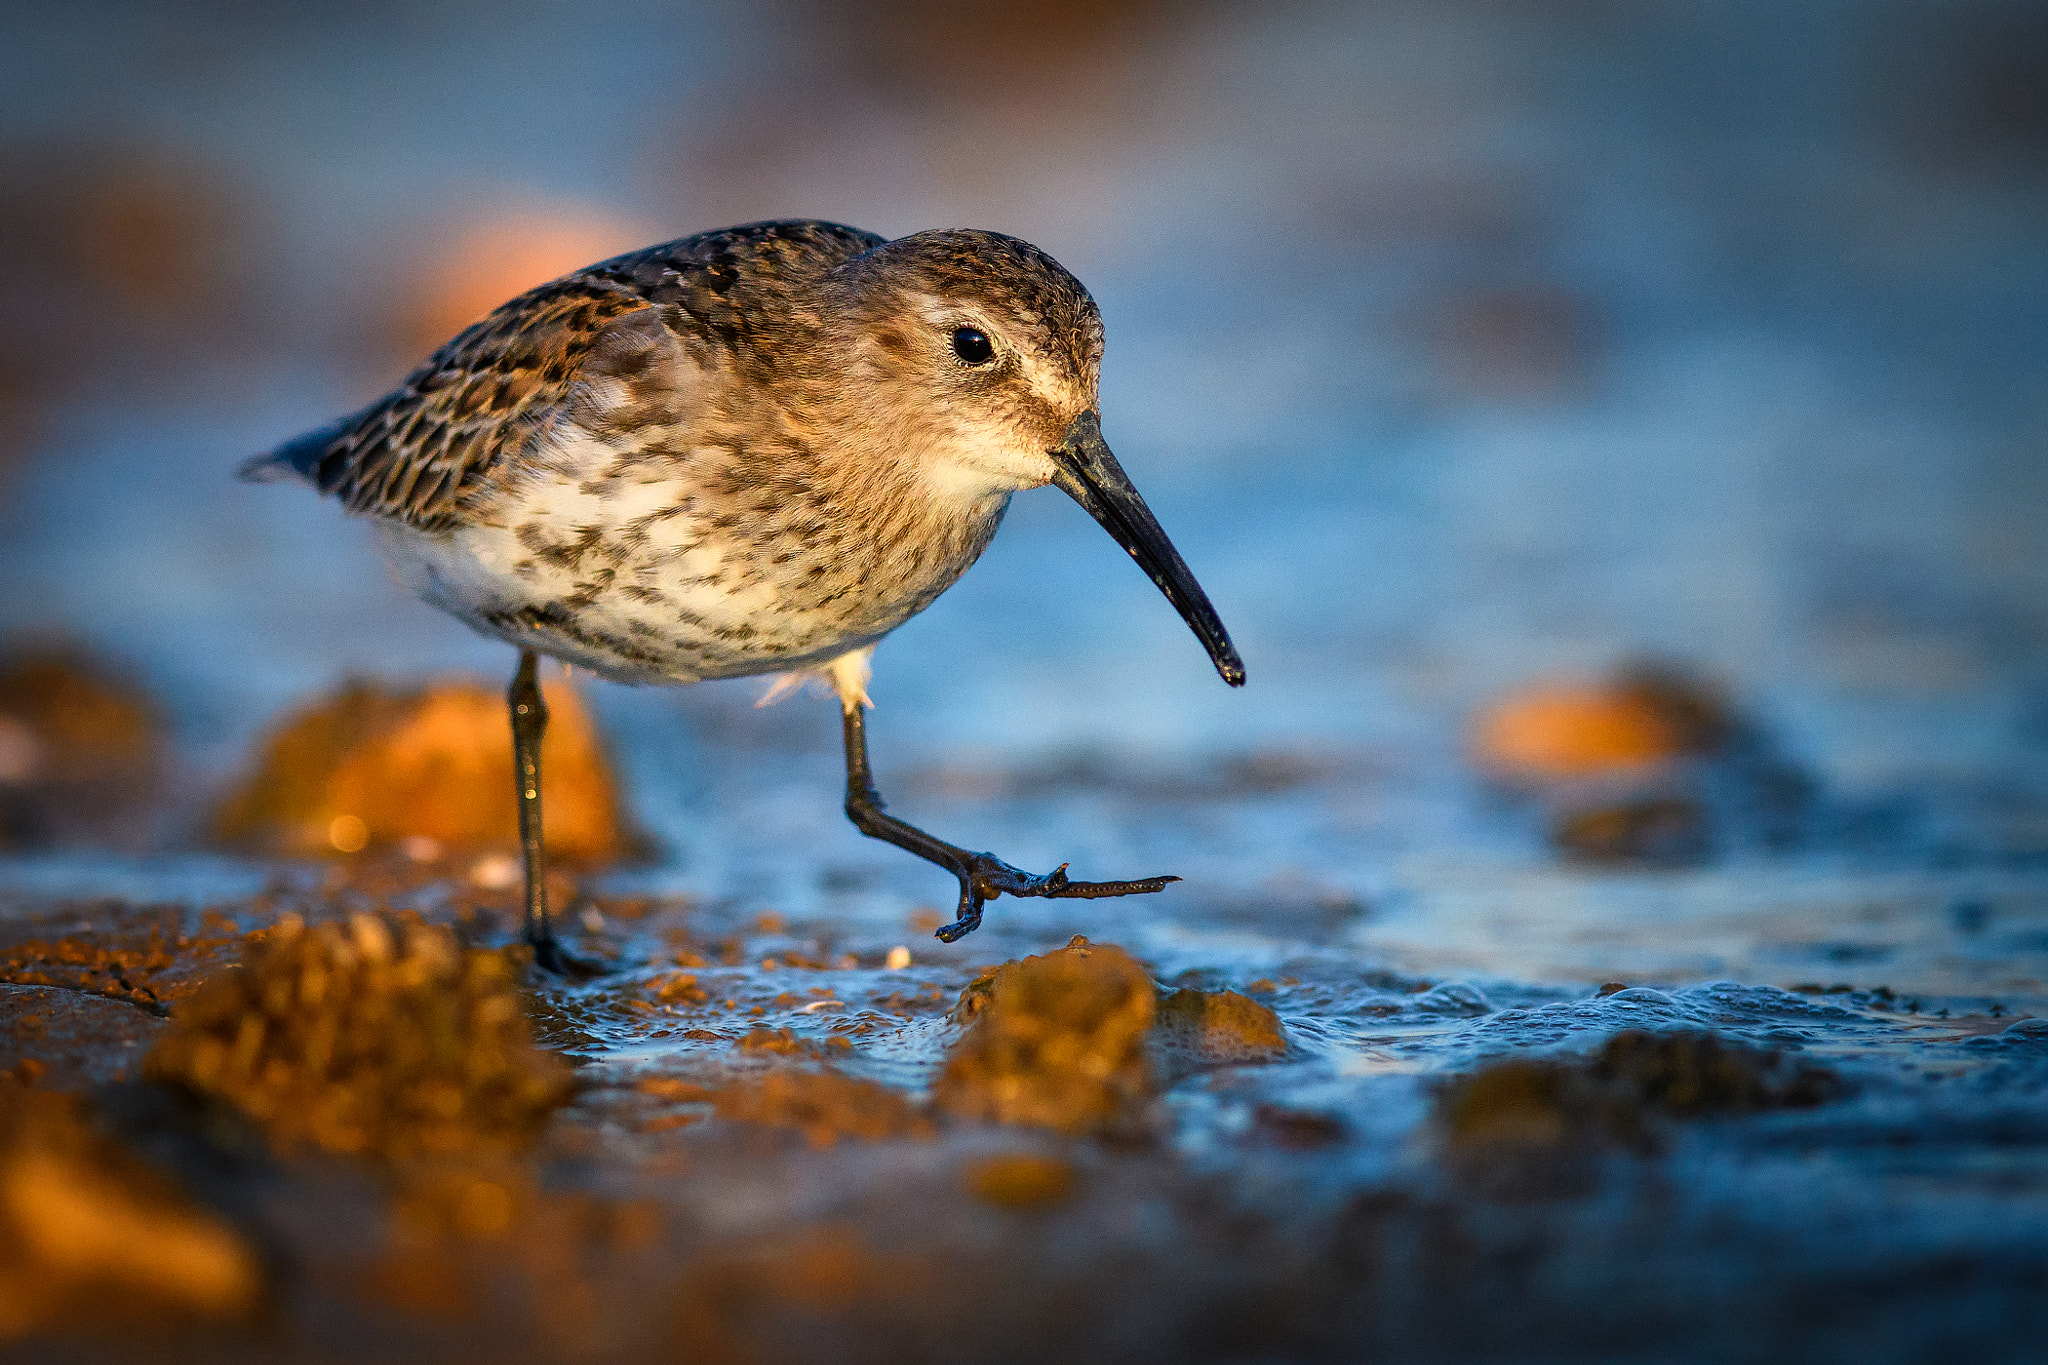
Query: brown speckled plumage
<point>769,381</point>
<point>751,451</point>
<point>415,454</point>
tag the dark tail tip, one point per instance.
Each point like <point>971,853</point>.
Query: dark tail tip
<point>295,459</point>
<point>266,469</point>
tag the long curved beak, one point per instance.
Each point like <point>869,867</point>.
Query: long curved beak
<point>1086,471</point>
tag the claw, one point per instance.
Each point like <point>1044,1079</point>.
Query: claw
<point>983,876</point>
<point>988,877</point>
<point>959,928</point>
<point>549,956</point>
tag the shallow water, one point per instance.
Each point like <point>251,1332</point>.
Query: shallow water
<point>1791,440</point>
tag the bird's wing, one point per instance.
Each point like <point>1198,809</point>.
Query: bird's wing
<point>416,454</point>
<point>413,455</point>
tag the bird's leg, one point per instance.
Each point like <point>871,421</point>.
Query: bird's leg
<point>983,876</point>
<point>529,722</point>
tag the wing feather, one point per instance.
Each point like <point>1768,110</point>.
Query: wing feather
<point>417,454</point>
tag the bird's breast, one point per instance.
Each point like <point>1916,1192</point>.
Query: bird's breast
<point>718,559</point>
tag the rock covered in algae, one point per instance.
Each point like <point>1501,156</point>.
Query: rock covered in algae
<point>88,1228</point>
<point>1057,1041</point>
<point>1622,1092</point>
<point>382,1036</point>
<point>1218,1028</point>
<point>369,767</point>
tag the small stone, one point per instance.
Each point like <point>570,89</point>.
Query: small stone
<point>1220,1026</point>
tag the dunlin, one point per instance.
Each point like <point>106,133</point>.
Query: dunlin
<point>751,451</point>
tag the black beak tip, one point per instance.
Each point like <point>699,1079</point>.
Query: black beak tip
<point>1084,469</point>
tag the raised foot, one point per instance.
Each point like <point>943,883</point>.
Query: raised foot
<point>988,877</point>
<point>549,956</point>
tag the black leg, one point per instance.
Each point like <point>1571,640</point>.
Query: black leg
<point>529,722</point>
<point>983,876</point>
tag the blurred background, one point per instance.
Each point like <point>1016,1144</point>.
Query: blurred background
<point>1615,432</point>
<point>1458,345</point>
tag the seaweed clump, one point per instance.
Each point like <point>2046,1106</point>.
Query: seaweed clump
<point>1056,1041</point>
<point>86,1228</point>
<point>381,1037</point>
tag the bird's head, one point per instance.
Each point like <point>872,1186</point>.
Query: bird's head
<point>978,357</point>
<point>975,350</point>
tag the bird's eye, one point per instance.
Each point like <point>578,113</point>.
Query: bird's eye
<point>972,345</point>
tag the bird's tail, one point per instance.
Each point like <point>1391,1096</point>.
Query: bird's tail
<point>296,459</point>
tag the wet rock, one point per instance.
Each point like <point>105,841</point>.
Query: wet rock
<point>1695,1075</point>
<point>68,1040</point>
<point>1643,718</point>
<point>1621,1094</point>
<point>679,988</point>
<point>84,964</point>
<point>382,1036</point>
<point>136,954</point>
<point>1020,1180</point>
<point>88,1232</point>
<point>822,1104</point>
<point>1057,1041</point>
<point>1218,1027</point>
<point>372,768</point>
<point>82,753</point>
<point>1651,768</point>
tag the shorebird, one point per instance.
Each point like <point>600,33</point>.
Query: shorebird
<point>751,451</point>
